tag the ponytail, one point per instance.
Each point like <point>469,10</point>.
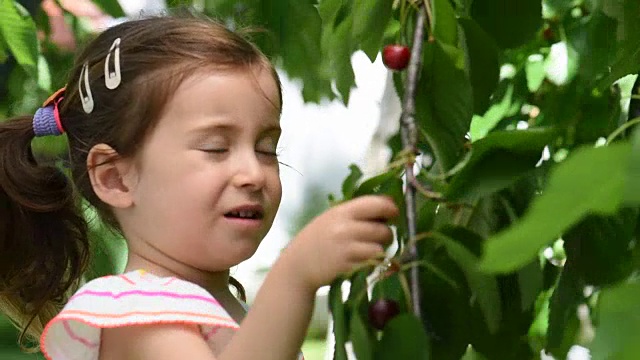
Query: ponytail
<point>241,292</point>
<point>44,247</point>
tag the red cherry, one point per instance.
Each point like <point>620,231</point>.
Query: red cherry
<point>548,34</point>
<point>396,57</point>
<point>381,311</point>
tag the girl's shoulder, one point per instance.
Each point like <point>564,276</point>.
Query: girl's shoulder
<point>133,298</point>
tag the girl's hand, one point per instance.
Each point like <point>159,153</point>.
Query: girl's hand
<point>340,239</point>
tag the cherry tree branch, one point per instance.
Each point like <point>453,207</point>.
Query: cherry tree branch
<point>409,134</point>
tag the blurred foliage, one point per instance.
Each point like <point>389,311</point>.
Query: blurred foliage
<point>527,108</point>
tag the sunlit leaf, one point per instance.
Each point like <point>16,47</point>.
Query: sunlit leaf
<point>497,161</point>
<point>535,72</point>
<point>618,323</point>
<point>573,191</point>
<point>19,33</point>
<point>370,19</point>
<point>349,185</point>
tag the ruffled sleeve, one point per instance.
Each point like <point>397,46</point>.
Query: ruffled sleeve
<point>133,298</point>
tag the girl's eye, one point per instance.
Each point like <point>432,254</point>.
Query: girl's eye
<point>268,153</point>
<point>267,147</point>
<point>215,151</point>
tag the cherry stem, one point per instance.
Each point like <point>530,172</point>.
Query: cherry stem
<point>408,132</point>
<point>427,6</point>
<point>429,194</point>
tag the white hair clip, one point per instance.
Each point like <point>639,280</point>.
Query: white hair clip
<point>87,100</point>
<point>112,79</point>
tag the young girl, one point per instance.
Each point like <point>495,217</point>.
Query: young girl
<point>173,125</point>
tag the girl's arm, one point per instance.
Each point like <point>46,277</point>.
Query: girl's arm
<point>277,322</point>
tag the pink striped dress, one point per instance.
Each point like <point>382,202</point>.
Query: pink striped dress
<point>135,297</point>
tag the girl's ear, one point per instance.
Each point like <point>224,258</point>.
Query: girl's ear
<point>109,175</point>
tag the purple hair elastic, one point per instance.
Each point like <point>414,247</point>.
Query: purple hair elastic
<point>46,121</point>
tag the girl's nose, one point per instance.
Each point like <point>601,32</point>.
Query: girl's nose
<point>250,173</point>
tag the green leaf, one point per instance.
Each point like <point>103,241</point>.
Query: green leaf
<point>573,191</point>
<point>530,282</point>
<point>403,338</point>
<point>361,335</point>
<point>563,318</point>
<point>561,105</point>
<point>618,323</point>
<point>19,32</point>
<point>481,125</point>
<point>221,8</point>
<point>3,51</point>
<point>374,184</point>
<point>179,3</point>
<point>44,74</point>
<point>111,7</point>
<point>337,46</point>
<point>483,286</point>
<point>627,58</point>
<point>471,354</point>
<point>601,248</point>
<point>506,104</point>
<point>294,40</point>
<point>484,67</point>
<point>592,41</point>
<point>363,346</point>
<point>447,312</point>
<point>444,104</point>
<point>558,8</point>
<point>370,19</point>
<point>328,11</point>
<point>632,186</point>
<point>349,185</point>
<point>600,115</point>
<point>535,72</point>
<point>538,329</point>
<point>497,161</point>
<point>510,23</point>
<point>358,297</point>
<point>338,311</point>
<point>444,24</point>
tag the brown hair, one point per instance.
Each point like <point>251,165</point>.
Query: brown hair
<point>44,246</point>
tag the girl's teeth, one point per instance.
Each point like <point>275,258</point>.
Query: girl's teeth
<point>243,214</point>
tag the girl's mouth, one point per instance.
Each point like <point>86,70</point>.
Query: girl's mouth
<point>244,214</point>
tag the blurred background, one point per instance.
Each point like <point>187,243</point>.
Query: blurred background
<point>322,136</point>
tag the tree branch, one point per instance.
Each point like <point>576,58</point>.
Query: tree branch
<point>409,134</point>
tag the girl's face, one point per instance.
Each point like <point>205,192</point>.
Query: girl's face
<point>207,184</point>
